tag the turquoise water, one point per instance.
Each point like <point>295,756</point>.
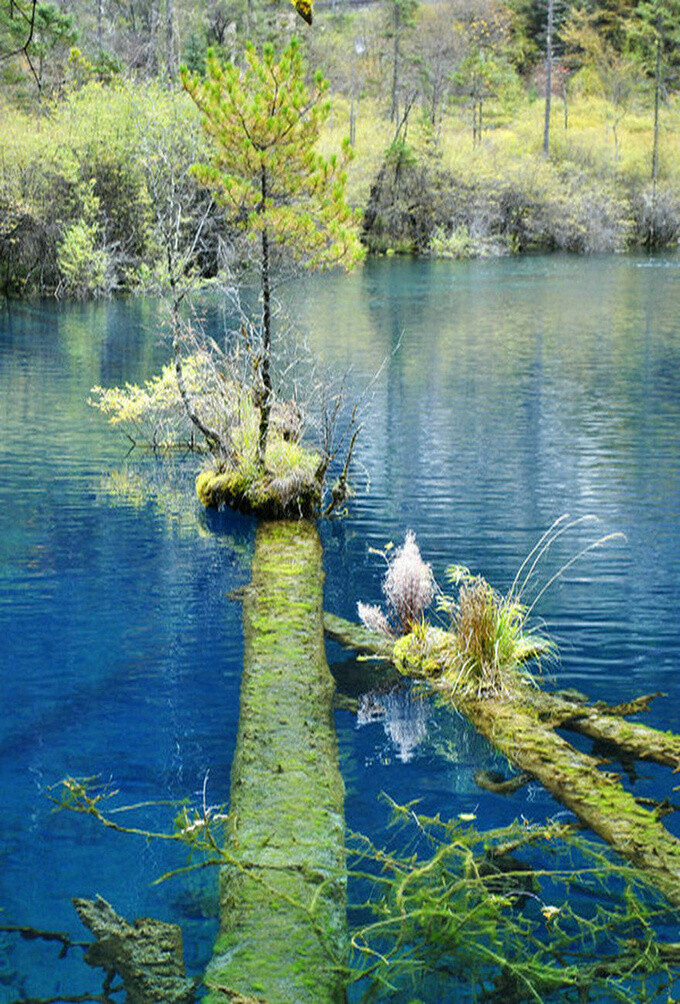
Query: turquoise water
<point>510,392</point>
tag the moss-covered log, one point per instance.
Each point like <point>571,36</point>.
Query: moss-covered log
<point>293,495</point>
<point>605,724</point>
<point>282,908</point>
<point>521,724</point>
<point>147,954</point>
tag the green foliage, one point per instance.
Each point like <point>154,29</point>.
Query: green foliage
<point>154,414</point>
<point>432,194</point>
<point>87,181</point>
<point>499,201</point>
<point>521,913</point>
<point>36,39</point>
<point>486,646</point>
<point>656,28</point>
<point>82,264</point>
<point>288,200</point>
<point>486,643</point>
<point>264,122</point>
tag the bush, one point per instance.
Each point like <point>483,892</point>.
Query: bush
<point>79,190</point>
<point>84,267</point>
<point>657,216</point>
<point>478,208</point>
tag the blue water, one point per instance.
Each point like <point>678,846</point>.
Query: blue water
<point>510,393</point>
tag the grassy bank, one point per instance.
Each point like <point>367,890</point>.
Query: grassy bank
<point>504,196</point>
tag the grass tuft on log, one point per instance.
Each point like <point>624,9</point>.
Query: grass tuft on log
<point>487,642</point>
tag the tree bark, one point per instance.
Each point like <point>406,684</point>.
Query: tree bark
<point>266,403</point>
<point>169,41</point>
<point>219,447</point>
<point>548,78</point>
<point>655,142</point>
<point>147,954</point>
<point>396,59</point>
<point>282,911</point>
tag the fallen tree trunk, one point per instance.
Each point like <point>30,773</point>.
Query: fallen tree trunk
<point>283,902</point>
<point>605,724</point>
<point>147,954</point>
<point>521,724</point>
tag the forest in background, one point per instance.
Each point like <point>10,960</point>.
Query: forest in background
<point>477,127</point>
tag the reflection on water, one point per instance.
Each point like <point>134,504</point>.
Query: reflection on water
<point>403,717</point>
<point>512,392</point>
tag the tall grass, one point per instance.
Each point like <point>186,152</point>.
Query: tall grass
<point>488,644</point>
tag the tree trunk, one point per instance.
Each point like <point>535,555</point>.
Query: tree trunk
<point>282,906</point>
<point>265,281</point>
<point>655,143</point>
<point>152,53</point>
<point>395,65</point>
<point>353,112</point>
<point>169,41</point>
<point>565,102</point>
<point>100,14</point>
<point>474,118</point>
<point>548,78</point>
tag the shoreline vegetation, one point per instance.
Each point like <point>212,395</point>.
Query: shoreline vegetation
<point>77,201</point>
<point>446,124</point>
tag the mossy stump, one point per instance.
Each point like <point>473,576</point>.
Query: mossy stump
<point>282,906</point>
<point>293,495</point>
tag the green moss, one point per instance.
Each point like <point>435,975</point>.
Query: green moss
<point>514,721</point>
<point>282,917</point>
<point>287,486</point>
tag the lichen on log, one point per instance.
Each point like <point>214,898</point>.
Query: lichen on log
<point>283,902</point>
<point>521,724</point>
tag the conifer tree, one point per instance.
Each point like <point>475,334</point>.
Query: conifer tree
<point>289,200</point>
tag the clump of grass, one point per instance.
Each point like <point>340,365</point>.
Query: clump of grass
<point>488,642</point>
<point>491,641</point>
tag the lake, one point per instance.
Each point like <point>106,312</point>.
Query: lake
<point>496,397</point>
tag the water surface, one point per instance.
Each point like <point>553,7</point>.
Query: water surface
<point>510,392</point>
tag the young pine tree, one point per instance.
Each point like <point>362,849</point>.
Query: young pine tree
<point>264,120</point>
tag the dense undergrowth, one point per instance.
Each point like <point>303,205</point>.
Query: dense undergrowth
<point>84,188</point>
<point>81,186</point>
<point>503,196</point>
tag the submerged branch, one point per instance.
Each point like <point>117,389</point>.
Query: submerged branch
<point>521,723</point>
<point>147,954</point>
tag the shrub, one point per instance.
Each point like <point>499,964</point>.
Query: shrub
<point>657,216</point>
<point>83,266</point>
<point>82,187</point>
